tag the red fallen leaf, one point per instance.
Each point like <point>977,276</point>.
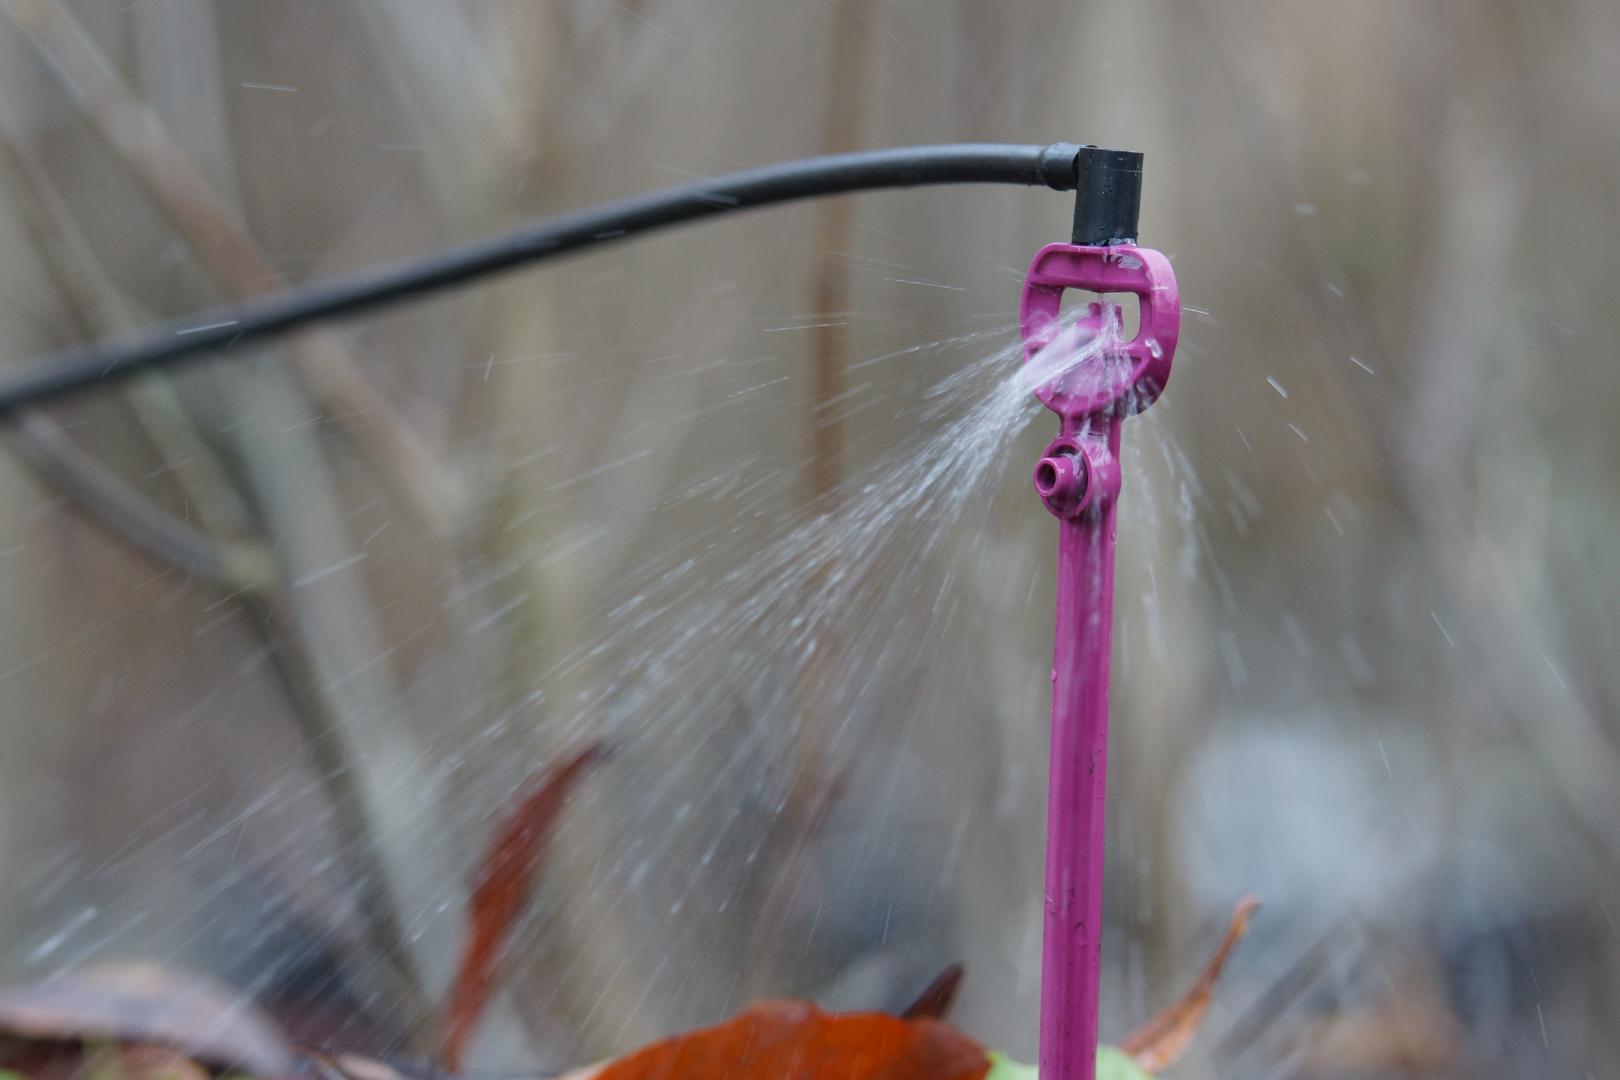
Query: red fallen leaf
<point>500,892</point>
<point>1160,1042</point>
<point>794,1040</point>
<point>136,1004</point>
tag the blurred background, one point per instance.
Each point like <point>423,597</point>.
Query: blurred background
<point>282,636</point>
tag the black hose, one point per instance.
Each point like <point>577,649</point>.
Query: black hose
<point>56,374</point>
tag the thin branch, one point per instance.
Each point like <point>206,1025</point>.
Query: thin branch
<point>816,782</point>
<point>829,290</point>
<point>321,719</point>
<point>139,136</point>
<point>96,306</point>
<point>233,567</point>
<point>226,562</point>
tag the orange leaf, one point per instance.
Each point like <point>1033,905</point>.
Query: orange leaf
<point>794,1040</point>
<point>501,891</point>
<point>1160,1042</point>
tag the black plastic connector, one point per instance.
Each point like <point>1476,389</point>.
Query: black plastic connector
<point>1107,196</point>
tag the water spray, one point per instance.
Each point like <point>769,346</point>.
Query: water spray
<point>1077,477</point>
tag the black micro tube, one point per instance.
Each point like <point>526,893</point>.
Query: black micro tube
<point>1060,166</point>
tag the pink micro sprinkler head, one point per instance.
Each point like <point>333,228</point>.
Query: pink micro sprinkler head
<point>1078,480</point>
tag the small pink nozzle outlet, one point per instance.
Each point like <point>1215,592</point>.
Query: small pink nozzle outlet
<point>1060,479</point>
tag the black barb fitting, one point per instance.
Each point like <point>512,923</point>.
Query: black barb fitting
<point>1107,196</point>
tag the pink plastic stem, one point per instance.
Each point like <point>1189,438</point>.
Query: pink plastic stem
<point>1078,479</point>
<point>1077,790</point>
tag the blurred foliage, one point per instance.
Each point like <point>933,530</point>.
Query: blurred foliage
<point>277,645</point>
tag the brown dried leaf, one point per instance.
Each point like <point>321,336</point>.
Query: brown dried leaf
<point>505,881</point>
<point>1160,1042</point>
<point>936,1000</point>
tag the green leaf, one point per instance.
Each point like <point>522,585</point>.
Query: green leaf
<point>1003,1067</point>
<point>1115,1064</point>
<point>1112,1064</point>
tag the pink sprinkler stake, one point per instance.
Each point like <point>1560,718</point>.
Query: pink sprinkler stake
<point>1078,479</point>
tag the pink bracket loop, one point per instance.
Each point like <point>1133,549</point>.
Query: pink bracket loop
<point>1124,388</point>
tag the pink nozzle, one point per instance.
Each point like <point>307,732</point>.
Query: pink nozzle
<point>1122,268</point>
<point>1076,475</point>
<point>1078,480</point>
<point>1061,481</point>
